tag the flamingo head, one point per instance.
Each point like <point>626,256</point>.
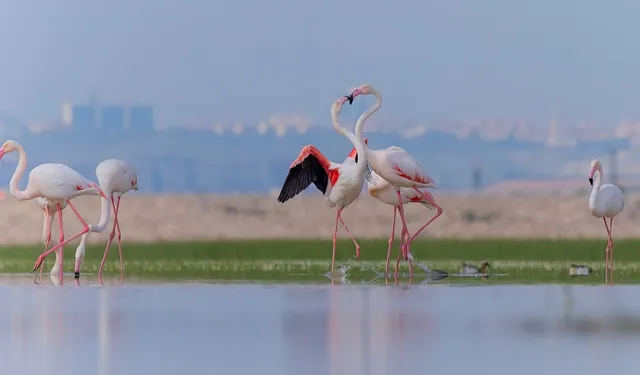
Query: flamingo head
<point>336,108</point>
<point>354,153</point>
<point>595,166</point>
<point>7,147</point>
<point>365,89</point>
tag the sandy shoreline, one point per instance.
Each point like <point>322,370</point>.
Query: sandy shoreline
<point>174,217</point>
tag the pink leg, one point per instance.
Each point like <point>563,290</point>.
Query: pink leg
<point>404,237</point>
<point>47,241</point>
<point>350,235</point>
<point>406,229</point>
<point>335,235</point>
<point>119,238</point>
<point>606,252</point>
<point>437,215</point>
<point>62,242</point>
<point>111,236</point>
<point>611,249</point>
<point>393,233</point>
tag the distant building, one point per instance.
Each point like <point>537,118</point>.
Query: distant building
<point>112,118</point>
<point>141,118</point>
<point>79,116</point>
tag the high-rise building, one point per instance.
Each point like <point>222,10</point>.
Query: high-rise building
<point>79,116</point>
<point>141,118</point>
<point>112,118</point>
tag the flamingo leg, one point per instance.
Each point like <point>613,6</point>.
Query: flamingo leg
<point>47,239</point>
<point>111,236</point>
<point>335,235</point>
<point>350,235</point>
<point>606,252</point>
<point>62,241</point>
<point>393,233</point>
<point>403,239</point>
<point>119,236</point>
<point>406,229</point>
<point>437,215</point>
<point>611,249</point>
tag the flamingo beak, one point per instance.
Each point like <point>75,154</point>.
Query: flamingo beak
<point>591,180</point>
<point>1,153</point>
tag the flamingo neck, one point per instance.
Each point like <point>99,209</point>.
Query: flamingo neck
<point>357,142</point>
<point>105,213</point>
<point>596,187</point>
<point>365,116</point>
<point>15,191</point>
<point>598,180</point>
<point>56,264</point>
<point>46,227</point>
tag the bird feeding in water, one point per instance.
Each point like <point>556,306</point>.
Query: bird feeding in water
<point>115,177</point>
<point>605,202</point>
<point>471,270</point>
<point>341,184</point>
<point>56,182</point>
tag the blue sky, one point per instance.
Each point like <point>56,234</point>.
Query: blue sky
<point>243,60</point>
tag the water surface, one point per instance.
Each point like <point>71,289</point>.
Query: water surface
<point>252,328</point>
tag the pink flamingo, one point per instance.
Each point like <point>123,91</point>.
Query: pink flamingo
<point>56,182</point>
<point>398,168</point>
<point>341,184</point>
<point>115,177</point>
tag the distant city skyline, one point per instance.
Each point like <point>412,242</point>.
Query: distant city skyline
<point>246,60</point>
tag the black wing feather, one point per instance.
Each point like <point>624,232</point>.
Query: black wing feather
<point>300,176</point>
<point>368,175</point>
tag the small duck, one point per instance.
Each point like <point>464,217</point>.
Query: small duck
<point>471,270</point>
<point>579,270</point>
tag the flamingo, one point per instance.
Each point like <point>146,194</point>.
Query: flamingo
<point>56,182</point>
<point>341,184</point>
<point>605,201</point>
<point>382,190</point>
<point>398,168</point>
<point>115,177</point>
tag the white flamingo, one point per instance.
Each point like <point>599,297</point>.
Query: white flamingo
<point>115,177</point>
<point>605,201</point>
<point>341,184</point>
<point>397,167</point>
<point>56,182</point>
<point>383,191</point>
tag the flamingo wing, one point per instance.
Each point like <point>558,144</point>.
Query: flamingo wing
<point>407,167</point>
<point>310,167</point>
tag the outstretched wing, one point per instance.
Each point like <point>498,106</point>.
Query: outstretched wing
<point>302,174</point>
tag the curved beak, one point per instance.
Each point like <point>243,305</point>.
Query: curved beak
<point>1,153</point>
<point>349,99</point>
<point>591,180</point>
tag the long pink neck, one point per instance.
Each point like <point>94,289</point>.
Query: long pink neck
<point>15,191</point>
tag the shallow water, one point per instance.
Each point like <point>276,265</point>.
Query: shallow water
<point>150,327</point>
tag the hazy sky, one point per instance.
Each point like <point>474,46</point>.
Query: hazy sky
<point>228,60</point>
